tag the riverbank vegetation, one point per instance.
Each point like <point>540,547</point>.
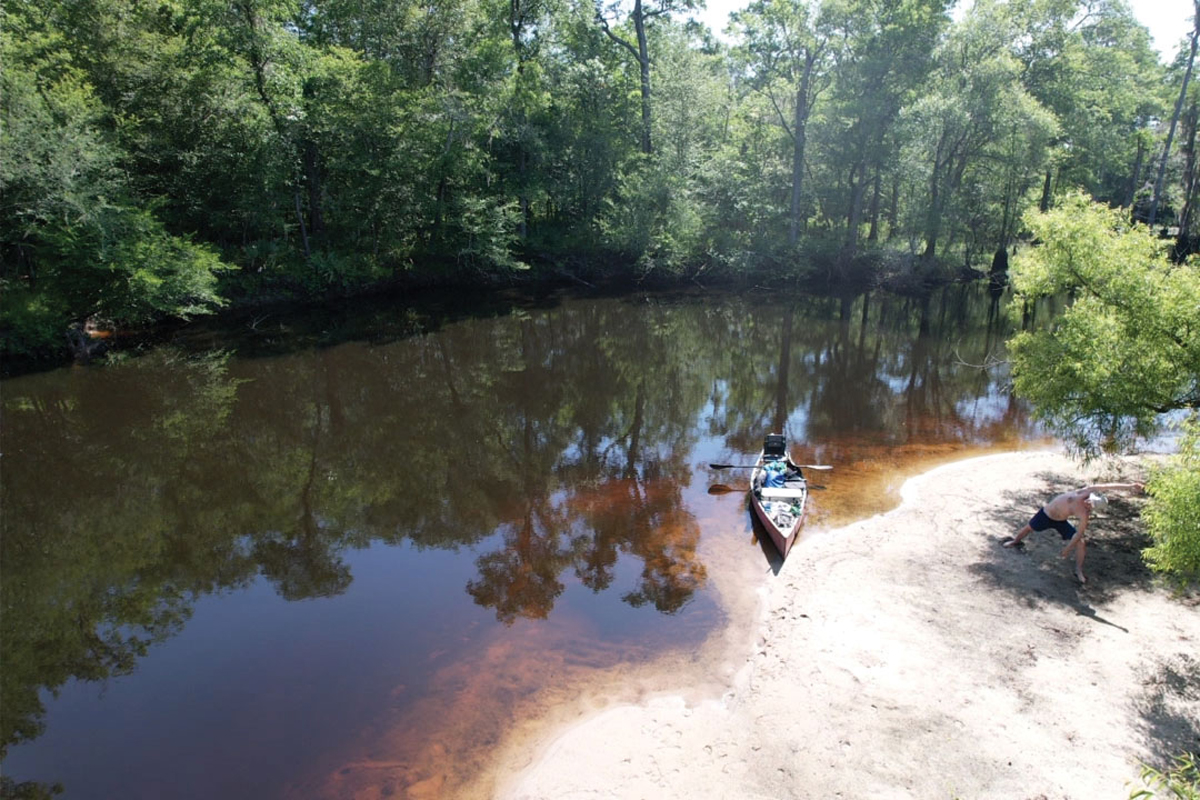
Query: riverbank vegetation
<point>162,159</point>
<point>1126,349</point>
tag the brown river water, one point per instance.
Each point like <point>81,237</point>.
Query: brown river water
<point>348,553</point>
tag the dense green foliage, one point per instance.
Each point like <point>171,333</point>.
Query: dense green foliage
<point>77,242</point>
<point>158,158</point>
<point>1127,347</point>
<point>1173,515</point>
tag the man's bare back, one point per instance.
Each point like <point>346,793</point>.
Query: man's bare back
<point>1070,504</point>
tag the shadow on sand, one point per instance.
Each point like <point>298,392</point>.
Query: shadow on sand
<point>1033,574</point>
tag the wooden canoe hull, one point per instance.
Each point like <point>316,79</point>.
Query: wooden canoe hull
<point>782,537</point>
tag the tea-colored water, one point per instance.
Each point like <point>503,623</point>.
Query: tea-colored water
<point>346,554</point>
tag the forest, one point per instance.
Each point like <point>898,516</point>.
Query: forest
<point>163,159</point>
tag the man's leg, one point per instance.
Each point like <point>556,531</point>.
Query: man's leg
<point>1079,545</point>
<point>1016,540</point>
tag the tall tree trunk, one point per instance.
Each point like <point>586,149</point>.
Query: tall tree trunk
<point>954,174</point>
<point>516,27</point>
<point>303,227</point>
<point>635,432</point>
<point>873,236</point>
<point>933,217</point>
<point>258,64</point>
<point>782,407</point>
<point>312,174</point>
<point>858,188</point>
<point>800,139</point>
<point>1137,173</point>
<point>522,192</point>
<point>1183,239</point>
<point>1044,206</point>
<point>893,215</point>
<point>641,52</point>
<point>639,25</point>
<point>1006,216</point>
<point>1162,164</point>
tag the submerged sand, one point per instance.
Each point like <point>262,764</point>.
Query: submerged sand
<point>909,655</point>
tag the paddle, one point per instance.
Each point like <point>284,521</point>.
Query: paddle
<point>720,488</point>
<point>755,466</point>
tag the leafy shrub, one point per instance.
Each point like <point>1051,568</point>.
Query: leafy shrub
<point>1181,782</point>
<point>32,326</point>
<point>487,232</point>
<point>75,242</point>
<point>1173,513</point>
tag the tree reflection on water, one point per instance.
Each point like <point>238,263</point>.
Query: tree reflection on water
<point>551,446</point>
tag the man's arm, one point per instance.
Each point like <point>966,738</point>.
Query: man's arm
<point>1084,517</point>
<point>1104,487</point>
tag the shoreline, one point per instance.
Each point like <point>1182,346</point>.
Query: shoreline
<point>966,669</point>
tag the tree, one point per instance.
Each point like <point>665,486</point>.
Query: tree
<point>1092,64</point>
<point>976,126</point>
<point>1127,349</point>
<point>887,54</point>
<point>642,14</point>
<point>1187,76</point>
<point>76,243</point>
<point>785,52</point>
<point>658,216</point>
<point>525,20</point>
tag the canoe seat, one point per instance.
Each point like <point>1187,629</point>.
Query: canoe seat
<point>782,494</point>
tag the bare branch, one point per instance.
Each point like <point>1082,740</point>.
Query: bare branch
<point>600,18</point>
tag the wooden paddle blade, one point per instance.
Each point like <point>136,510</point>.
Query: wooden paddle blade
<point>814,466</point>
<point>720,488</point>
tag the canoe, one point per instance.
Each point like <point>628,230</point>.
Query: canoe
<point>780,509</point>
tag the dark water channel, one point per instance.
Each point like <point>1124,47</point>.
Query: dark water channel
<point>333,555</point>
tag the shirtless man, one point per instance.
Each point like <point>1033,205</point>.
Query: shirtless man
<point>1078,503</point>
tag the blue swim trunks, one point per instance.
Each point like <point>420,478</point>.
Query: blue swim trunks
<point>1041,522</point>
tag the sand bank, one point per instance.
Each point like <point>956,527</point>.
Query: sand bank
<point>909,655</point>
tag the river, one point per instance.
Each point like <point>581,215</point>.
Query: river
<point>346,552</point>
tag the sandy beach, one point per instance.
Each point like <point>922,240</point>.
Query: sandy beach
<point>909,655</point>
